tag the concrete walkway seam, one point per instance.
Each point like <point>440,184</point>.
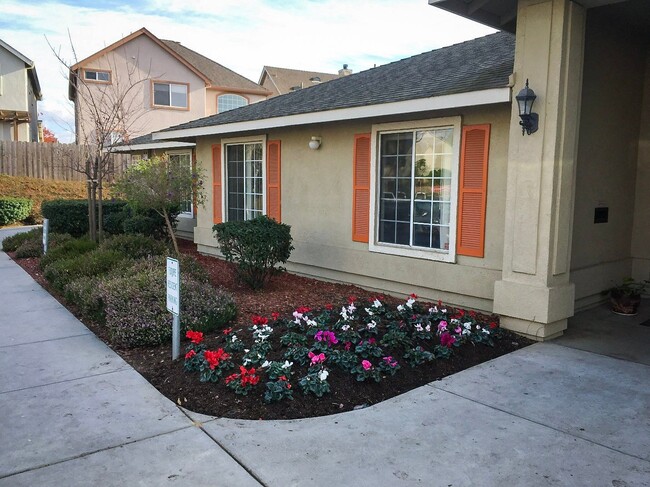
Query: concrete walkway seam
<point>86,454</point>
<point>432,385</point>
<point>14,345</point>
<point>248,470</point>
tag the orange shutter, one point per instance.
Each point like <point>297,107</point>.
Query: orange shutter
<point>217,186</point>
<point>361,188</point>
<point>273,180</point>
<point>472,195</point>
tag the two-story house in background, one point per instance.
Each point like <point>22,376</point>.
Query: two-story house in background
<point>283,80</point>
<point>141,84</point>
<point>19,95</point>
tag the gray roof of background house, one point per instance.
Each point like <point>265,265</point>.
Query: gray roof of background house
<point>475,65</point>
<point>282,80</point>
<point>217,74</point>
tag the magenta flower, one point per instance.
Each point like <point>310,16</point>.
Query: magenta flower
<point>366,365</point>
<point>390,361</point>
<point>326,336</point>
<point>348,345</point>
<point>446,340</point>
<point>442,326</point>
<point>316,359</point>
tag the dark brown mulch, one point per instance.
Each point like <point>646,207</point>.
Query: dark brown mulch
<point>285,293</point>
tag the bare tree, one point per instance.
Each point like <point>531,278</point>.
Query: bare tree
<point>106,114</point>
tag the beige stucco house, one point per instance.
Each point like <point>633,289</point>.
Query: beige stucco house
<point>284,80</point>
<point>416,177</point>
<point>19,95</point>
<point>140,84</point>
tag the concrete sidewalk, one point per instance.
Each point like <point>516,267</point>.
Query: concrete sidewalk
<point>75,414</point>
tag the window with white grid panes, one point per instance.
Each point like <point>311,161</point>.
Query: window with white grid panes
<point>245,185</point>
<point>415,177</point>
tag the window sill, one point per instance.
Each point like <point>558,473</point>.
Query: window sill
<point>402,251</point>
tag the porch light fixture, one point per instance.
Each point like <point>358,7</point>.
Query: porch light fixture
<point>314,143</point>
<point>529,120</point>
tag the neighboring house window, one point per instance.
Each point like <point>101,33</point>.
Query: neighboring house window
<point>183,161</point>
<point>230,102</point>
<point>244,181</point>
<point>113,138</point>
<point>416,178</point>
<point>173,95</point>
<point>99,76</point>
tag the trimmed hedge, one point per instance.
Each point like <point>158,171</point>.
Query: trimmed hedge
<point>14,210</point>
<point>256,246</point>
<point>67,250</point>
<point>71,216</point>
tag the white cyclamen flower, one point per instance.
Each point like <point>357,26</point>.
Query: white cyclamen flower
<point>345,327</point>
<point>322,375</point>
<point>371,325</point>
<point>287,364</point>
<point>400,307</point>
<point>369,311</point>
<point>410,302</point>
<point>418,327</point>
<point>266,364</point>
<point>376,303</point>
<point>433,310</point>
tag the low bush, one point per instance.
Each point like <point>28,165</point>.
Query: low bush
<point>149,222</point>
<point>136,313</point>
<point>33,247</point>
<point>71,216</point>
<point>85,292</point>
<point>135,246</point>
<point>13,210</point>
<point>257,246</point>
<point>67,250</point>
<point>93,263</point>
<point>11,244</point>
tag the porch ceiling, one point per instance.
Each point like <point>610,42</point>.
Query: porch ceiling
<point>502,14</point>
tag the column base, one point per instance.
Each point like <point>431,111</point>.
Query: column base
<point>535,331</point>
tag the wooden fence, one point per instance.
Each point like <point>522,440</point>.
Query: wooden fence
<point>50,161</point>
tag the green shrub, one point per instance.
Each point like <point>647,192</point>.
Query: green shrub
<point>86,294</point>
<point>11,244</point>
<point>67,250</point>
<point>135,246</point>
<point>33,247</point>
<point>93,263</point>
<point>14,210</point>
<point>136,313</point>
<point>149,222</point>
<point>256,246</point>
<point>71,216</point>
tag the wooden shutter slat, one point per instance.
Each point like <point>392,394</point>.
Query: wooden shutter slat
<point>273,180</point>
<point>361,189</point>
<point>472,195</point>
<point>217,186</point>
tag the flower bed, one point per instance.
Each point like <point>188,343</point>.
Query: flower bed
<point>276,358</point>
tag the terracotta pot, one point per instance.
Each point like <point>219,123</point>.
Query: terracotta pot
<point>624,304</point>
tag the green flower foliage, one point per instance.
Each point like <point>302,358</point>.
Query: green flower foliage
<point>11,244</point>
<point>257,246</point>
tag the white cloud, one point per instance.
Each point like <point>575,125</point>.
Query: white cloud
<point>242,35</point>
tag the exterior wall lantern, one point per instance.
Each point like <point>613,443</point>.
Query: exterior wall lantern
<point>529,120</point>
<point>314,143</point>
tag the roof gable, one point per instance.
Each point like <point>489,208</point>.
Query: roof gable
<point>282,80</point>
<point>29,64</point>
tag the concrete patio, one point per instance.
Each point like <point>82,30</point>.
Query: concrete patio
<point>574,411</point>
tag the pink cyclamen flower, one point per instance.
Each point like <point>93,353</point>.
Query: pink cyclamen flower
<point>458,329</point>
<point>348,345</point>
<point>442,326</point>
<point>390,361</point>
<point>446,340</point>
<point>366,365</point>
<point>316,359</point>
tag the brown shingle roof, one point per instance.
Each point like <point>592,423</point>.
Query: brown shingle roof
<point>217,74</point>
<point>280,80</point>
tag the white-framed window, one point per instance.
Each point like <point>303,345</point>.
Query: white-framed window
<point>245,178</point>
<point>173,95</point>
<point>414,188</point>
<point>97,75</point>
<point>183,162</point>
<point>230,102</point>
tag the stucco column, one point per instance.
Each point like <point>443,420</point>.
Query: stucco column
<point>535,296</point>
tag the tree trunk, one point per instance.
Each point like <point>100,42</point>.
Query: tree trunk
<point>90,199</point>
<point>100,207</point>
<point>171,232</point>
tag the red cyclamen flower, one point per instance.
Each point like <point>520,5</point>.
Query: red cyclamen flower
<point>227,331</point>
<point>260,320</point>
<point>195,336</point>
<point>275,316</point>
<point>352,299</point>
<point>190,354</point>
<point>447,340</point>
<point>329,307</point>
<point>214,358</point>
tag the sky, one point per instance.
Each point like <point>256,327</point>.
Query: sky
<point>243,35</point>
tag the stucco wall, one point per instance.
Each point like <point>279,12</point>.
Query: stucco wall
<point>317,203</point>
<point>145,60</point>
<point>614,70</point>
<point>641,229</point>
<point>14,94</point>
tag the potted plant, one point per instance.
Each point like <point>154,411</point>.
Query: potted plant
<point>626,297</point>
